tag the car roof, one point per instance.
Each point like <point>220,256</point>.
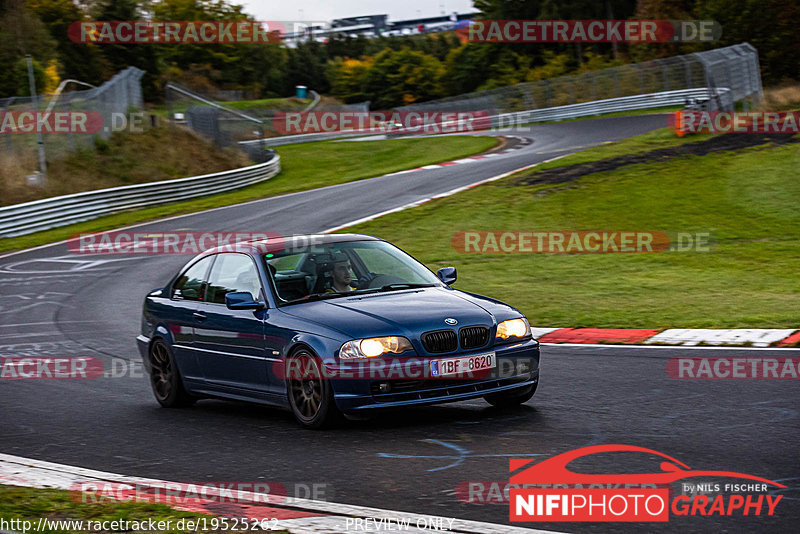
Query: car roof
<point>277,242</point>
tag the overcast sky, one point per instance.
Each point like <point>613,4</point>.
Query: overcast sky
<point>326,10</point>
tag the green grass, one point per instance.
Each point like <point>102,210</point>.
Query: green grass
<point>270,103</point>
<point>17,503</point>
<point>304,166</point>
<point>747,199</point>
<point>180,106</point>
<point>663,138</point>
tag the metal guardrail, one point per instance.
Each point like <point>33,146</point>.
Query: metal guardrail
<point>610,105</point>
<point>504,120</point>
<point>314,103</point>
<point>308,138</point>
<point>29,217</point>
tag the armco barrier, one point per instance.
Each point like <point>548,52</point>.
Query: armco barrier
<point>47,213</point>
<point>610,105</point>
<point>584,109</point>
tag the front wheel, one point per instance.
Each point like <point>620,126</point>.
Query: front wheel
<point>506,399</point>
<point>310,393</point>
<point>165,378</point>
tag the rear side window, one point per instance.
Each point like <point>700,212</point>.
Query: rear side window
<point>232,272</point>
<point>191,285</point>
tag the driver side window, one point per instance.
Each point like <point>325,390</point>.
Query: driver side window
<point>230,273</point>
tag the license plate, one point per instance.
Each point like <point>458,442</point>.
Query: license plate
<point>464,364</point>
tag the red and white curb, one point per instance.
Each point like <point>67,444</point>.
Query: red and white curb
<point>295,515</point>
<point>743,337</point>
<point>523,142</point>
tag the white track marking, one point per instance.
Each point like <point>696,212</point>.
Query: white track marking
<point>758,337</point>
<point>538,332</point>
<point>440,195</point>
<point>19,471</point>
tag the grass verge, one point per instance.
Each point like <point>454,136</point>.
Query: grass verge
<point>171,153</point>
<point>30,504</point>
<point>746,198</point>
<point>304,166</point>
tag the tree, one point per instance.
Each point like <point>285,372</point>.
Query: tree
<point>401,77</point>
<point>80,61</point>
<point>23,33</point>
<point>347,78</point>
<point>473,66</point>
<point>769,25</point>
<point>117,57</point>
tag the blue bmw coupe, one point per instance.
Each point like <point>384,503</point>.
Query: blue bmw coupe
<point>328,325</point>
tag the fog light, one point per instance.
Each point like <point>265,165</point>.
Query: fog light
<point>384,387</point>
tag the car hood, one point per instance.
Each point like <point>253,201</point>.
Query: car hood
<point>405,312</point>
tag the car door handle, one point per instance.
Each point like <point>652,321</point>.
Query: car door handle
<point>199,316</point>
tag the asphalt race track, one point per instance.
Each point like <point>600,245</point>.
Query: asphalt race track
<point>53,303</point>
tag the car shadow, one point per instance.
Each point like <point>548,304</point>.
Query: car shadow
<point>456,417</point>
<point>445,417</point>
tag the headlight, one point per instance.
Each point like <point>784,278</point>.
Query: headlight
<point>373,347</point>
<point>513,329</point>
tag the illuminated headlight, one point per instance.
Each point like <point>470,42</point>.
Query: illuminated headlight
<point>373,347</point>
<point>513,329</point>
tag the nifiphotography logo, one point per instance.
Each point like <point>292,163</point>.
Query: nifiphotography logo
<point>549,491</point>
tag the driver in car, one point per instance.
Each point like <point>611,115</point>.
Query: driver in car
<point>341,275</point>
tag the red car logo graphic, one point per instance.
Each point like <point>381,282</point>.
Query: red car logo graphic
<point>554,470</point>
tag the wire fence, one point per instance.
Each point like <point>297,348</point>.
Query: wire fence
<point>250,128</point>
<point>108,107</point>
<point>728,75</point>
<point>222,125</point>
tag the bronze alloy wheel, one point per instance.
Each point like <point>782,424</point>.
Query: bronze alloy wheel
<point>310,394</point>
<point>165,377</point>
<point>161,371</point>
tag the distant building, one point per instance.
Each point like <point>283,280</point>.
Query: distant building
<point>372,26</point>
<point>377,22</point>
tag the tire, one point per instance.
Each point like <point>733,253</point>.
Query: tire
<point>507,399</point>
<point>165,379</point>
<point>310,395</point>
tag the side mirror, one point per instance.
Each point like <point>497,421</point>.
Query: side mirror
<point>447,275</point>
<point>242,300</point>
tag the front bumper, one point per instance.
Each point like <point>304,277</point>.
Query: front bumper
<point>518,369</point>
<point>143,344</point>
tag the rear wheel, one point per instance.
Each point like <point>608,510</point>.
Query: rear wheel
<point>310,394</point>
<point>165,378</point>
<point>507,399</point>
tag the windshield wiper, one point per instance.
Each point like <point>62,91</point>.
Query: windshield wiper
<point>392,287</point>
<point>316,296</point>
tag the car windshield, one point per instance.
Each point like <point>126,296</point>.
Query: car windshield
<point>341,269</point>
